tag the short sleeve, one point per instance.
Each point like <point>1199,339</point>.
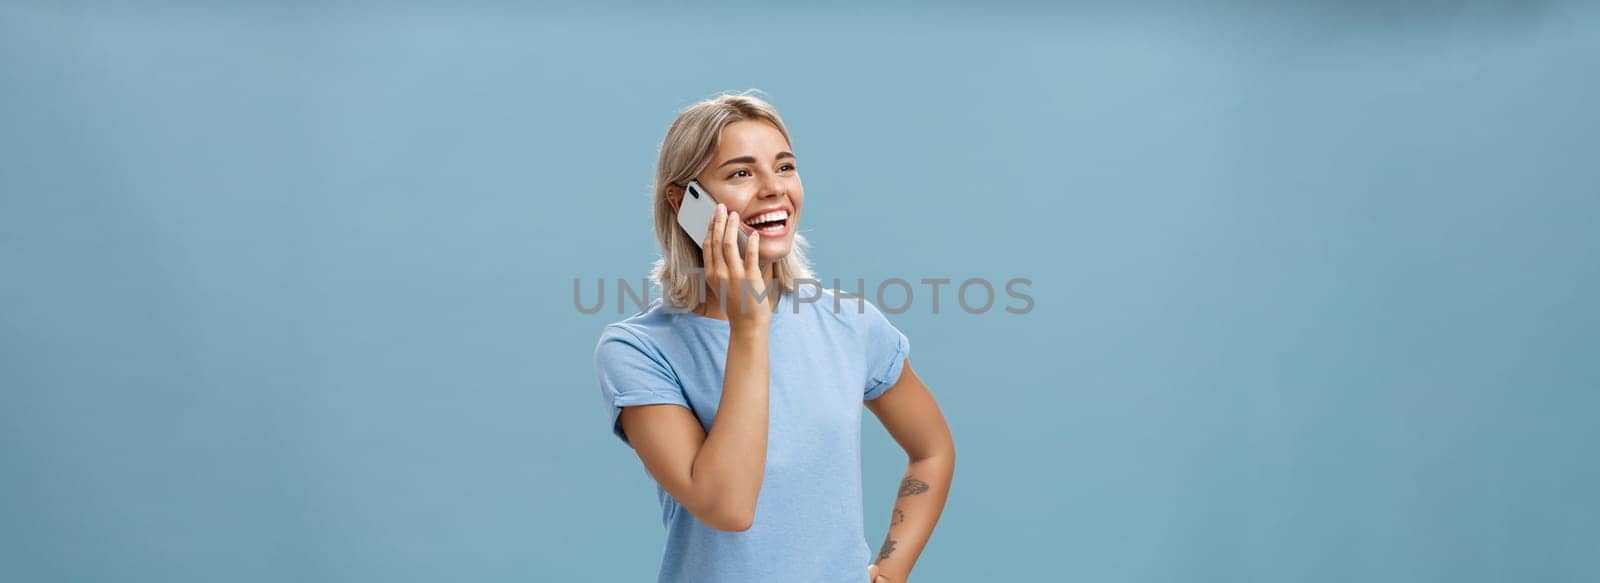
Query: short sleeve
<point>886,350</point>
<point>632,372</point>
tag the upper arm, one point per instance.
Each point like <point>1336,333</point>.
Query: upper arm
<point>633,372</point>
<point>667,439</point>
<point>885,349</point>
<point>649,410</point>
<point>912,417</point>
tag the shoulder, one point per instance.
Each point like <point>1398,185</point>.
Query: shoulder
<point>645,331</point>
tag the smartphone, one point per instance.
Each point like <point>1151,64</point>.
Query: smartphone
<point>697,210</point>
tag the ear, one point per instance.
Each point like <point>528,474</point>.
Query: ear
<point>674,196</point>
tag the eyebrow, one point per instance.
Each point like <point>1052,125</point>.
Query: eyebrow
<point>752,159</point>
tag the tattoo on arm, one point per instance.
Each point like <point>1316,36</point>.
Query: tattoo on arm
<point>912,486</point>
<point>909,486</point>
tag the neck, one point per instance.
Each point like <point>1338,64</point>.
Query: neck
<point>712,307</point>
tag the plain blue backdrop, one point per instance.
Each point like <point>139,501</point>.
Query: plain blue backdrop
<point>286,288</point>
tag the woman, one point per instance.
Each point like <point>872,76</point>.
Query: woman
<point>739,389</point>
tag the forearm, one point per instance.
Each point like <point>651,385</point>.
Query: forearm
<point>733,458</point>
<point>918,504</point>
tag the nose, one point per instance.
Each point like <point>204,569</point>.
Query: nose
<point>771,187</point>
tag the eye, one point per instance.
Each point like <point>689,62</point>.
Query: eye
<point>737,172</point>
<point>785,167</point>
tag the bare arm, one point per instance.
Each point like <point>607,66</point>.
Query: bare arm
<point>717,476</point>
<point>912,417</point>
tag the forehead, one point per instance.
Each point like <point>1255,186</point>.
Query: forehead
<point>750,136</point>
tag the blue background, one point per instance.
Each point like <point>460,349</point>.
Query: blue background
<point>286,288</point>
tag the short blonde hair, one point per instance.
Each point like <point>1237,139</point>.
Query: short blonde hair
<point>685,152</point>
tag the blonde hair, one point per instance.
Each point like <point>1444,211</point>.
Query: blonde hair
<point>685,152</point>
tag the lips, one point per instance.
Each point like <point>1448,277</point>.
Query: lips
<point>772,223</point>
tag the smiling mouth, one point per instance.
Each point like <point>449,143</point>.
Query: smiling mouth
<point>770,223</point>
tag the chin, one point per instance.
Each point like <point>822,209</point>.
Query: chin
<point>774,253</point>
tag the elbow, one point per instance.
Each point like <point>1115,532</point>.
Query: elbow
<point>943,451</point>
<point>738,523</point>
<point>723,507</point>
<point>729,515</point>
<point>730,519</point>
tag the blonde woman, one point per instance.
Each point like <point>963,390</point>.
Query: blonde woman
<point>741,389</point>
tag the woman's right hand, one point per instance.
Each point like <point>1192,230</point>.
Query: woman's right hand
<point>734,278</point>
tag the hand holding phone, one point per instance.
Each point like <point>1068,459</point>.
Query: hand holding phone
<point>697,210</point>
<point>734,277</point>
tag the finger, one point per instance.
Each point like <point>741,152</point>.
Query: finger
<point>730,245</point>
<point>706,257</point>
<point>872,574</point>
<point>714,266</point>
<point>752,259</point>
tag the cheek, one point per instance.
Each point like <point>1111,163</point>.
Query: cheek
<point>736,200</point>
<point>735,196</point>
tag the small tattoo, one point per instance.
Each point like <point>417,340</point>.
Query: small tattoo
<point>912,487</point>
<point>899,516</point>
<point>888,548</point>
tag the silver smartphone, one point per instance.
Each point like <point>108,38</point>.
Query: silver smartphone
<point>697,210</point>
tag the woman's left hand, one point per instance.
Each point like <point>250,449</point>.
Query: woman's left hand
<point>873,576</point>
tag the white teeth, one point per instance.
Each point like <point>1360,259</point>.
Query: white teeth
<point>777,215</point>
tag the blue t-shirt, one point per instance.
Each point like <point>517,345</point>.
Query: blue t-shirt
<point>823,364</point>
